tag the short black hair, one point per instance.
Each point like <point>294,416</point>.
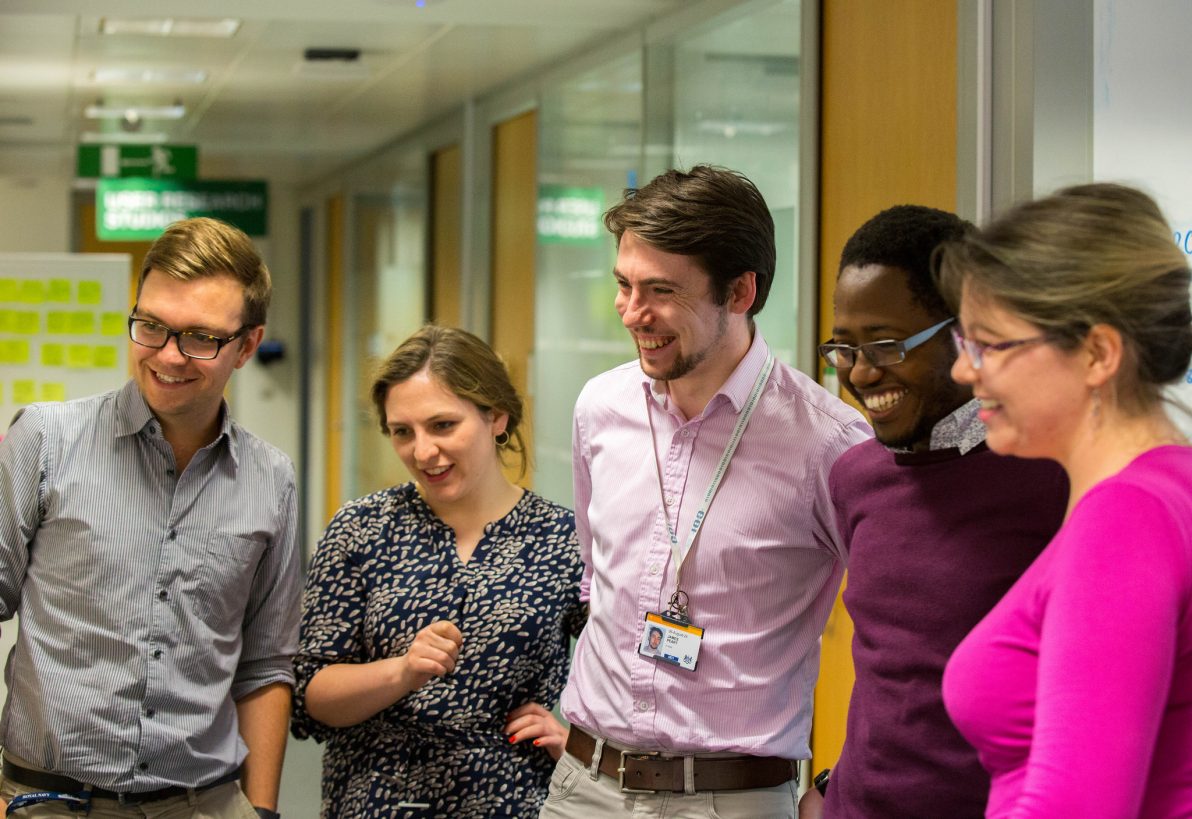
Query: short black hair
<point>906,237</point>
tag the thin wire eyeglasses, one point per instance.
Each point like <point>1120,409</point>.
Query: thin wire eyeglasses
<point>882,353</point>
<point>202,346</point>
<point>976,351</point>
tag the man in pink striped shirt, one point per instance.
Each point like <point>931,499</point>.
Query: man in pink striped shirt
<point>702,508</point>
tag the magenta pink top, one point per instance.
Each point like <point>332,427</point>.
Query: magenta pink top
<point>1076,689</point>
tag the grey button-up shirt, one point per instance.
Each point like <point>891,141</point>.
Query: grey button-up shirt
<point>149,601</point>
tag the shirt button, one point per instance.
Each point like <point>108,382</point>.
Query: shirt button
<point>686,433</point>
<point>157,653</point>
<point>149,712</point>
<point>170,472</point>
<point>643,706</point>
<point>670,500</point>
<point>144,766</point>
<point>654,569</point>
<point>173,534</point>
<point>163,595</point>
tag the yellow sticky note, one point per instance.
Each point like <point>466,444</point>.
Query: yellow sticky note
<point>113,324</point>
<point>8,289</point>
<point>58,290</point>
<point>53,355</point>
<point>23,392</point>
<point>31,291</point>
<point>90,292</point>
<point>28,323</point>
<point>8,321</point>
<point>80,355</point>
<point>14,352</point>
<point>57,321</point>
<point>105,357</point>
<point>53,392</point>
<point>82,323</point>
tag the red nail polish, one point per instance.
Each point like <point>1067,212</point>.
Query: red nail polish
<point>513,738</point>
<point>535,742</point>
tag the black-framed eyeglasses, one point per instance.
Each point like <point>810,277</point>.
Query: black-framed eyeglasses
<point>878,353</point>
<point>203,346</point>
<point>976,351</point>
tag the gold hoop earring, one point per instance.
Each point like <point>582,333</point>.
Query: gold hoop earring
<point>502,439</point>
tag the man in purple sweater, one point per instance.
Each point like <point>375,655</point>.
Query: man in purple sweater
<point>936,527</point>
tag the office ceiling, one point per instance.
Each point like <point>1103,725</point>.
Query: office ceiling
<point>261,110</point>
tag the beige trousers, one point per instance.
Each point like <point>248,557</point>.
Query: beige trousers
<point>575,794</point>
<point>223,802</point>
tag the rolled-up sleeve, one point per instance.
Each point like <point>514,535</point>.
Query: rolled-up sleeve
<point>271,618</point>
<point>23,470</point>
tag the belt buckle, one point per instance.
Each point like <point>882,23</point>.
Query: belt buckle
<point>621,770</point>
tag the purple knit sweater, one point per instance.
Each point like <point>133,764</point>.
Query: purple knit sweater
<point>935,539</point>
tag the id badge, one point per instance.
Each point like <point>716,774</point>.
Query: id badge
<point>670,640</point>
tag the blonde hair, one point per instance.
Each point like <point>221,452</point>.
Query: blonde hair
<point>1086,255</point>
<point>201,247</point>
<point>462,363</point>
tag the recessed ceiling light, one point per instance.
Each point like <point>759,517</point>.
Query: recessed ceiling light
<point>170,26</point>
<point>119,137</point>
<point>102,111</point>
<point>149,76</point>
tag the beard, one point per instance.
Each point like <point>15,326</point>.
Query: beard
<point>686,364</point>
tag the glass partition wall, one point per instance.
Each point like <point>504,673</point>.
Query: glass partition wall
<point>723,91</point>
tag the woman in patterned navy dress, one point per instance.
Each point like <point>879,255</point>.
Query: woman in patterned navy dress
<point>438,614</point>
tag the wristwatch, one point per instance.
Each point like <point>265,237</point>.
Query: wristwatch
<point>820,783</point>
<point>265,813</point>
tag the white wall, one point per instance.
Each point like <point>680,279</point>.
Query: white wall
<point>35,214</point>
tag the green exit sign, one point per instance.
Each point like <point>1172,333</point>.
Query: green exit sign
<point>153,161</point>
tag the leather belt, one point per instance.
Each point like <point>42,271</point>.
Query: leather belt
<point>648,772</point>
<point>45,781</point>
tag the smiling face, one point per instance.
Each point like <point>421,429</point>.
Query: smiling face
<point>665,301</point>
<point>1034,397</point>
<point>181,391</point>
<point>906,400</point>
<point>445,441</point>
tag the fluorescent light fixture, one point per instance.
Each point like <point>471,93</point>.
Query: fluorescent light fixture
<point>116,137</point>
<point>170,26</point>
<point>149,76</point>
<point>135,112</point>
<point>732,128</point>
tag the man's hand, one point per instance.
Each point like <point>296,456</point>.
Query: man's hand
<point>432,654</point>
<point>811,806</point>
<point>532,721</point>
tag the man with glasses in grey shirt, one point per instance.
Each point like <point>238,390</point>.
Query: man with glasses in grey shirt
<point>148,545</point>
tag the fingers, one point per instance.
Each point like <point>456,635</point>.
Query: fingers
<point>530,708</point>
<point>435,649</point>
<point>531,722</point>
<point>445,629</point>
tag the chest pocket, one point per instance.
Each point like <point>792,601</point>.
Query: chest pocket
<point>225,579</point>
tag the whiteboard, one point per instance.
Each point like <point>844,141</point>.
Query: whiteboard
<point>1142,123</point>
<point>63,326</point>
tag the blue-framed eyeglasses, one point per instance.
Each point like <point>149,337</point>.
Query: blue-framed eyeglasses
<point>203,346</point>
<point>878,353</point>
<point>976,351</point>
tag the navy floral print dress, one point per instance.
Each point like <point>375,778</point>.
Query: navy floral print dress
<point>387,567</point>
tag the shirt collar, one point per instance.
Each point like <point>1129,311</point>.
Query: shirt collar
<point>133,415</point>
<point>736,387</point>
<point>961,429</point>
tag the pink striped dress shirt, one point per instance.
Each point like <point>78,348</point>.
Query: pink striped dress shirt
<point>762,575</point>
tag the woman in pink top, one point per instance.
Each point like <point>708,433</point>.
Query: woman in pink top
<point>1076,689</point>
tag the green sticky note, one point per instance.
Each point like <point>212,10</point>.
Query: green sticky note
<point>14,352</point>
<point>105,357</point>
<point>23,392</point>
<point>53,355</point>
<point>8,321</point>
<point>53,392</point>
<point>58,290</point>
<point>112,324</point>
<point>80,355</point>
<point>28,323</point>
<point>57,321</point>
<point>90,292</point>
<point>8,289</point>
<point>31,291</point>
<point>82,323</point>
